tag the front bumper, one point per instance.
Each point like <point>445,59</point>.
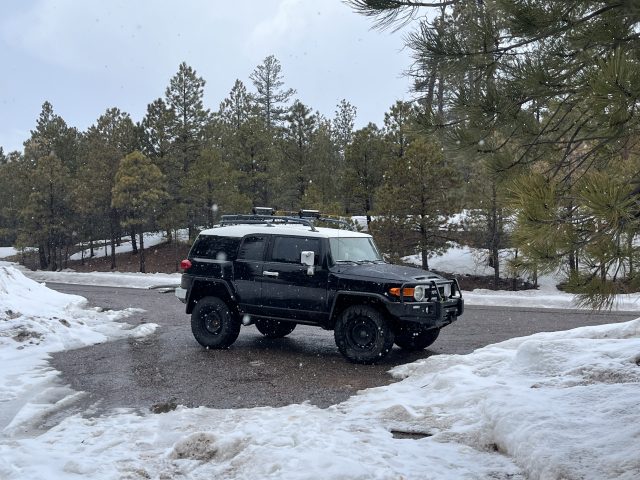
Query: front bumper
<point>431,314</point>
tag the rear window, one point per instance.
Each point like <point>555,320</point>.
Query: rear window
<point>252,248</point>
<point>215,248</point>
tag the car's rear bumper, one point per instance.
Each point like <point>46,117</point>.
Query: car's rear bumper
<point>181,293</point>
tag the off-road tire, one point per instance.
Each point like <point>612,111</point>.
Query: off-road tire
<point>214,324</point>
<point>274,328</point>
<point>362,334</point>
<point>415,337</point>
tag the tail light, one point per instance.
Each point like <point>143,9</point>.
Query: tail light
<point>185,264</point>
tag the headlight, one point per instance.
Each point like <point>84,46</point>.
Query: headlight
<point>419,293</point>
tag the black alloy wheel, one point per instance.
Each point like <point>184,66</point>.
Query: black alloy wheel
<point>362,334</point>
<point>213,323</point>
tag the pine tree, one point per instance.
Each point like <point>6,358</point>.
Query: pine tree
<point>212,185</point>
<point>237,107</point>
<point>137,194</point>
<point>295,171</point>
<point>112,137</point>
<point>325,169</point>
<point>184,97</point>
<point>342,125</point>
<point>158,145</point>
<point>47,212</point>
<point>540,88</point>
<point>51,138</point>
<point>271,97</point>
<point>245,143</point>
<point>418,191</point>
<point>363,169</point>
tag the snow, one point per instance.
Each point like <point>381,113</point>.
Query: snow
<point>36,321</point>
<point>463,260</point>
<point>151,239</point>
<point>560,405</point>
<point>8,252</point>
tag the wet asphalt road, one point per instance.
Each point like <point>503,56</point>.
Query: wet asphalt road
<point>169,367</point>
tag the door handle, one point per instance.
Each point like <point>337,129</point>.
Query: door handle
<point>267,273</point>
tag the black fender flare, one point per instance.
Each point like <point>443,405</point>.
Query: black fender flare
<point>200,282</point>
<point>378,298</point>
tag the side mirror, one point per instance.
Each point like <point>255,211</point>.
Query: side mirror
<point>308,258</point>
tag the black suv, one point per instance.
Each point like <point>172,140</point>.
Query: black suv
<point>279,271</point>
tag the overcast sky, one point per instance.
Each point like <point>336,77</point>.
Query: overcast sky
<point>85,56</point>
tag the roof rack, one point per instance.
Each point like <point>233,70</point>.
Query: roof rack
<point>282,220</point>
<point>265,219</point>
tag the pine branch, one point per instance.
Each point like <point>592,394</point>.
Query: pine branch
<point>394,12</point>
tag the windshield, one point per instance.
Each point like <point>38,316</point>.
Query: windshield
<point>360,249</point>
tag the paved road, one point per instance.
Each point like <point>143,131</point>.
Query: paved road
<point>169,367</point>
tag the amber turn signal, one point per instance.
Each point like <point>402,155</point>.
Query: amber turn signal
<point>406,292</point>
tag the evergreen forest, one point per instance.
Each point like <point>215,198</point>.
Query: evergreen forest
<point>525,118</point>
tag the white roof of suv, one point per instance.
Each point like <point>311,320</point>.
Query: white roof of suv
<point>240,230</point>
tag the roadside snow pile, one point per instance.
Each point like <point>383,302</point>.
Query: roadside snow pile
<point>109,279</point>
<point>553,405</point>
<point>460,259</point>
<point>7,252</point>
<point>35,321</point>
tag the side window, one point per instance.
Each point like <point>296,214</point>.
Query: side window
<point>252,248</point>
<point>214,247</point>
<point>288,249</point>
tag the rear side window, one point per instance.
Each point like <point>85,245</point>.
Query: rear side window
<point>252,248</point>
<point>288,249</point>
<point>215,248</point>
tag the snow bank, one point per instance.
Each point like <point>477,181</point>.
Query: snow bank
<point>150,240</point>
<point>553,405</point>
<point>35,321</point>
<point>7,252</point>
<point>108,279</point>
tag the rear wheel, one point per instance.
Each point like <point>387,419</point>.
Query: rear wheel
<point>274,328</point>
<point>415,337</point>
<point>213,323</point>
<point>362,334</point>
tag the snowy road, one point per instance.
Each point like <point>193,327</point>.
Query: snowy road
<point>170,367</point>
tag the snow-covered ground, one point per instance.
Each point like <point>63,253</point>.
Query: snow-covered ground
<point>562,405</point>
<point>8,252</point>
<point>151,239</point>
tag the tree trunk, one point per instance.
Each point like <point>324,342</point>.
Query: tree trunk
<point>630,250</point>
<point>112,229</point>
<point>423,247</point>
<point>494,244</point>
<point>43,257</point>
<point>142,265</point>
<point>425,258</point>
<point>66,256</point>
<point>177,261</point>
<point>134,245</point>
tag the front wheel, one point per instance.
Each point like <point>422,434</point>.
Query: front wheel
<point>415,337</point>
<point>362,334</point>
<point>213,323</point>
<point>274,328</point>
